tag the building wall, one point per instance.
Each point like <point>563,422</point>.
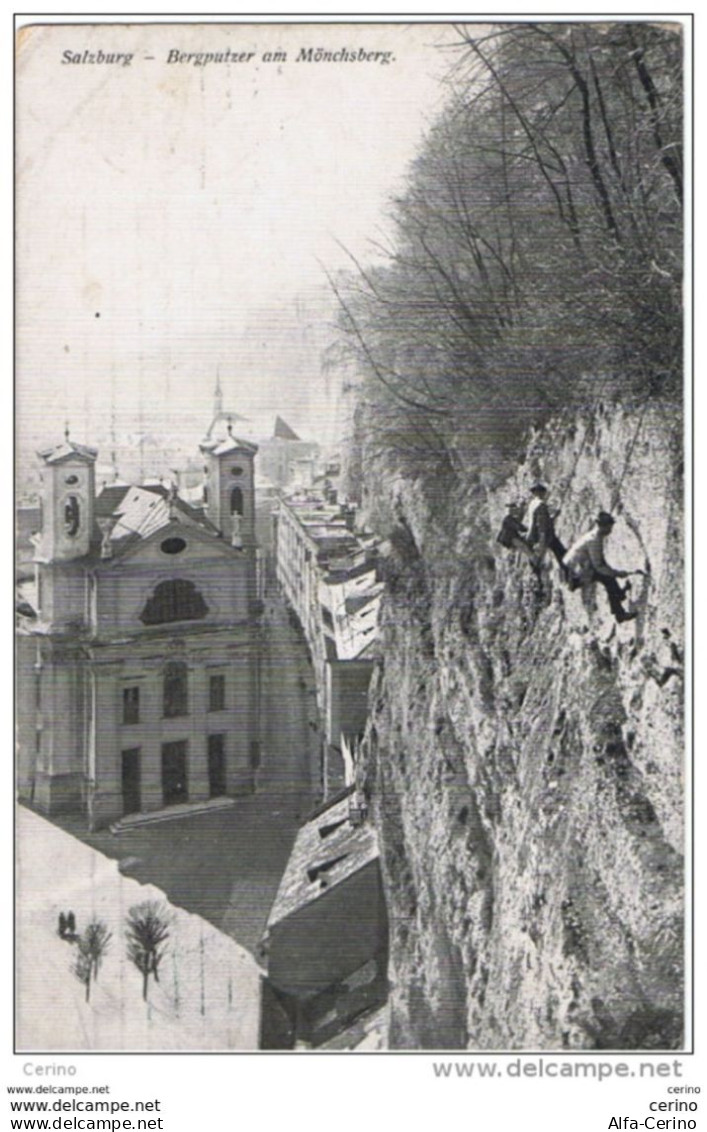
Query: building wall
<point>28,715</point>
<point>226,582</point>
<point>342,684</point>
<point>72,733</point>
<point>348,682</point>
<point>58,771</point>
<point>232,655</point>
<point>62,595</point>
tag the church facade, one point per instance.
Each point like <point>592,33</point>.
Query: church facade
<point>138,673</point>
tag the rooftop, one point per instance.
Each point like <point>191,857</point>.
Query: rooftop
<point>136,513</point>
<point>328,850</point>
<point>68,448</point>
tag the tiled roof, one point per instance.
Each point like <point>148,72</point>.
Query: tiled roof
<point>137,512</point>
<point>328,850</point>
<point>109,498</point>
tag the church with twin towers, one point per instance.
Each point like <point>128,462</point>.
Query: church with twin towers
<point>139,664</point>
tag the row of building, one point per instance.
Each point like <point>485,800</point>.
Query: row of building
<point>327,572</point>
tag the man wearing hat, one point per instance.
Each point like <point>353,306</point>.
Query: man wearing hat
<point>542,534</point>
<point>585,564</point>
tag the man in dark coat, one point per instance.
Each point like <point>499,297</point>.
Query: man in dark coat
<point>542,536</point>
<point>512,532</point>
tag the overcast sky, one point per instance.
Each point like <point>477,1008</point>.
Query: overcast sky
<point>161,206</point>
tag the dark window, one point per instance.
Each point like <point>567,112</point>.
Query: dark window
<point>71,480</point>
<point>236,501</point>
<point>38,741</point>
<point>173,546</point>
<point>237,471</point>
<point>174,773</point>
<point>217,765</point>
<point>176,600</point>
<point>130,780</point>
<point>316,870</point>
<point>71,515</point>
<point>217,693</point>
<point>327,830</point>
<point>175,690</point>
<point>131,705</point>
<point>38,691</point>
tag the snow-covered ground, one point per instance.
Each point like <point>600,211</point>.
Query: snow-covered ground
<point>208,996</point>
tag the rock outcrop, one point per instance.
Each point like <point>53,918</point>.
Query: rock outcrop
<point>524,756</point>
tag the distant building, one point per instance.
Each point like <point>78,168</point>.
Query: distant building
<point>327,932</point>
<point>139,673</point>
<point>285,459</point>
<point>327,573</point>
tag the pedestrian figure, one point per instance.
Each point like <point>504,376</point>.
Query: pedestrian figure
<point>586,564</point>
<point>511,534</point>
<point>542,536</point>
<point>62,929</point>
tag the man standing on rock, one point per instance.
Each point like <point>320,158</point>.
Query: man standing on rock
<point>542,536</point>
<point>585,564</point>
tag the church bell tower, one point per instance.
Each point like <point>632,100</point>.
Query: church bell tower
<point>230,489</point>
<point>68,498</point>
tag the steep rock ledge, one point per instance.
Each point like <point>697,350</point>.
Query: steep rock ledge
<point>525,758</point>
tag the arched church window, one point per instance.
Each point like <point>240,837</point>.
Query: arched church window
<point>175,690</point>
<point>175,600</point>
<point>237,501</point>
<point>72,515</point>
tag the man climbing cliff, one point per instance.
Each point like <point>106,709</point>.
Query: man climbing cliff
<point>586,564</point>
<point>542,536</point>
<point>512,532</point>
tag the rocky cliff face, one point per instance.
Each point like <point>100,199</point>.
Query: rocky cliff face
<point>525,757</point>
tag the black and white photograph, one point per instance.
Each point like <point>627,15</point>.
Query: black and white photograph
<point>352,628</point>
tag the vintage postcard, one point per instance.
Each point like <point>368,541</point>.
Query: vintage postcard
<point>350,556</point>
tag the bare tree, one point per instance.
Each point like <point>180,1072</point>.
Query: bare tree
<point>91,948</point>
<point>146,933</point>
<point>96,941</point>
<point>82,966</point>
<point>536,258</point>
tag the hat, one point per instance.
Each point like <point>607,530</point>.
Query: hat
<point>604,519</point>
<point>538,489</point>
